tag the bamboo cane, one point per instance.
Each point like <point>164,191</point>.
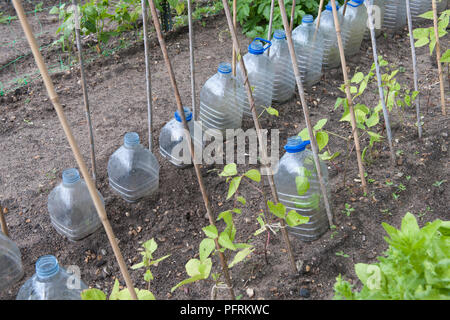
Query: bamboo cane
<point>438,57</point>
<point>414,61</point>
<point>301,93</point>
<point>291,26</point>
<point>162,44</point>
<point>269,32</point>
<point>148,83</point>
<point>345,8</point>
<point>73,144</point>
<point>380,87</point>
<point>84,89</point>
<point>319,14</point>
<point>3,223</point>
<point>349,97</point>
<point>233,66</point>
<point>191,60</point>
<point>263,151</point>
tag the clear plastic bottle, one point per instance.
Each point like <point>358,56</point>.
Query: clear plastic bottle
<point>133,171</point>
<point>395,15</point>
<point>298,188</point>
<point>354,25</point>
<point>331,57</point>
<point>172,140</point>
<point>260,75</point>
<point>284,79</point>
<point>11,269</point>
<point>51,282</point>
<point>378,24</point>
<point>72,211</point>
<point>309,48</point>
<point>222,100</point>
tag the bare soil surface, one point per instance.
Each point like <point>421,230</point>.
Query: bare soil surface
<point>34,152</point>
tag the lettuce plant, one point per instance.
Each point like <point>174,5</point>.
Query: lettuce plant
<point>416,266</point>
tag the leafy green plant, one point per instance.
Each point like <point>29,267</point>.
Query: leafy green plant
<point>426,36</point>
<point>366,117</point>
<point>415,266</point>
<point>348,210</point>
<point>322,138</point>
<point>254,15</point>
<point>149,247</point>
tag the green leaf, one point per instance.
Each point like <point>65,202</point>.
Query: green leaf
<point>206,247</point>
<point>278,210</point>
<point>326,155</point>
<point>322,139</point>
<point>211,231</point>
<point>338,102</point>
<point>150,245</point>
<point>225,241</point>
<point>302,184</point>
<point>319,125</point>
<point>93,294</point>
<point>427,15</point>
<point>272,111</point>
<point>253,174</point>
<point>137,266</point>
<point>446,56</point>
<point>148,276</point>
<point>294,219</point>
<point>240,256</point>
<point>229,170</point>
<point>373,120</point>
<point>304,134</point>
<point>241,200</point>
<point>145,295</point>
<point>186,281</point>
<point>115,291</point>
<point>234,185</point>
<point>358,77</point>
<point>192,267</point>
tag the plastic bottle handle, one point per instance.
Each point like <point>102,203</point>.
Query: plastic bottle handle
<point>264,41</point>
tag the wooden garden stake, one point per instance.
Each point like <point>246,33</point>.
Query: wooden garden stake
<point>148,84</point>
<point>3,223</point>
<point>345,7</point>
<point>380,86</point>
<point>233,66</point>
<point>269,32</point>
<point>301,93</point>
<point>162,44</point>
<point>319,14</point>
<point>191,59</point>
<point>349,97</point>
<point>438,57</point>
<point>73,144</point>
<point>414,61</point>
<point>291,26</point>
<point>84,88</point>
<point>264,156</point>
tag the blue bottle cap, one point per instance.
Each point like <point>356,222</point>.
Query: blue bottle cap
<point>330,8</point>
<point>307,19</point>
<point>47,266</point>
<point>256,47</point>
<point>295,144</point>
<point>187,114</point>
<point>131,139</point>
<point>70,176</point>
<point>279,34</point>
<point>224,67</point>
<point>355,3</point>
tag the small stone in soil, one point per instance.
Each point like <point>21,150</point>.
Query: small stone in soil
<point>304,293</point>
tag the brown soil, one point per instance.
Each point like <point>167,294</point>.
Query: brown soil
<point>34,151</point>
